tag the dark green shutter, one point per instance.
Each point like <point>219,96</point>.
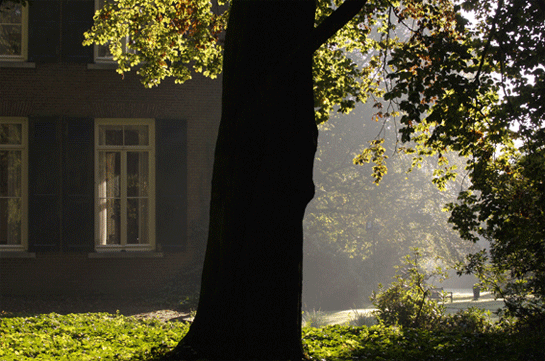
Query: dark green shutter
<point>78,185</point>
<point>44,185</point>
<point>77,18</point>
<point>44,30</point>
<point>171,185</point>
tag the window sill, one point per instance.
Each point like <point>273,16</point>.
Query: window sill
<point>102,66</point>
<point>17,64</point>
<point>17,254</point>
<point>121,254</point>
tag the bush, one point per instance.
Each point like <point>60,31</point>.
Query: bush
<point>472,320</point>
<point>407,301</point>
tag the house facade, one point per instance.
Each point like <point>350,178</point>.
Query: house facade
<point>101,179</point>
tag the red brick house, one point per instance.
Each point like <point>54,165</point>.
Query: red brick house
<point>100,178</point>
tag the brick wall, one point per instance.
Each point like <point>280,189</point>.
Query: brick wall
<point>75,274</point>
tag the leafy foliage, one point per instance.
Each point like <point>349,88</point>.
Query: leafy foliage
<point>167,38</point>
<point>90,336</point>
<point>505,204</point>
<point>477,88</point>
<point>407,301</point>
<point>402,344</point>
<point>472,320</point>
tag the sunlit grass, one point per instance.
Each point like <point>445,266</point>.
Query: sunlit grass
<point>91,336</point>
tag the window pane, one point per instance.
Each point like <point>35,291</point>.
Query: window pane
<point>10,13</point>
<point>10,39</point>
<point>136,135</point>
<point>110,135</point>
<point>109,192</point>
<point>109,174</point>
<point>137,174</point>
<point>103,52</point>
<point>10,221</point>
<point>137,221</point>
<point>11,17</point>
<point>109,221</point>
<point>10,173</point>
<point>10,133</point>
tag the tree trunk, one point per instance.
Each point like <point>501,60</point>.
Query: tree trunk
<point>250,302</point>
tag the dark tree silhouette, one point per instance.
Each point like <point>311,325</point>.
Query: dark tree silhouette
<point>250,301</point>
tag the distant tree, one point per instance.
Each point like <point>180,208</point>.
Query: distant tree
<point>441,80</point>
<point>368,228</point>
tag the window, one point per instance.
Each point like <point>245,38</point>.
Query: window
<point>125,178</point>
<point>13,31</point>
<point>13,183</point>
<point>102,52</point>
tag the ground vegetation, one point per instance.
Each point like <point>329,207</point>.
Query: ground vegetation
<point>94,336</point>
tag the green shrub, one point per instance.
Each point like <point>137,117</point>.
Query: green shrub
<point>407,301</point>
<point>472,320</point>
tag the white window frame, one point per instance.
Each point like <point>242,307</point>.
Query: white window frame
<point>24,41</point>
<point>23,147</point>
<point>150,148</point>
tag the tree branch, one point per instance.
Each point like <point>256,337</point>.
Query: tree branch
<point>489,41</point>
<point>335,22</point>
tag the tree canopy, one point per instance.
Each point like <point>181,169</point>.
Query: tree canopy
<point>463,76</point>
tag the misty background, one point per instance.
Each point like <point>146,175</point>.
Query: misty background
<point>356,232</point>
